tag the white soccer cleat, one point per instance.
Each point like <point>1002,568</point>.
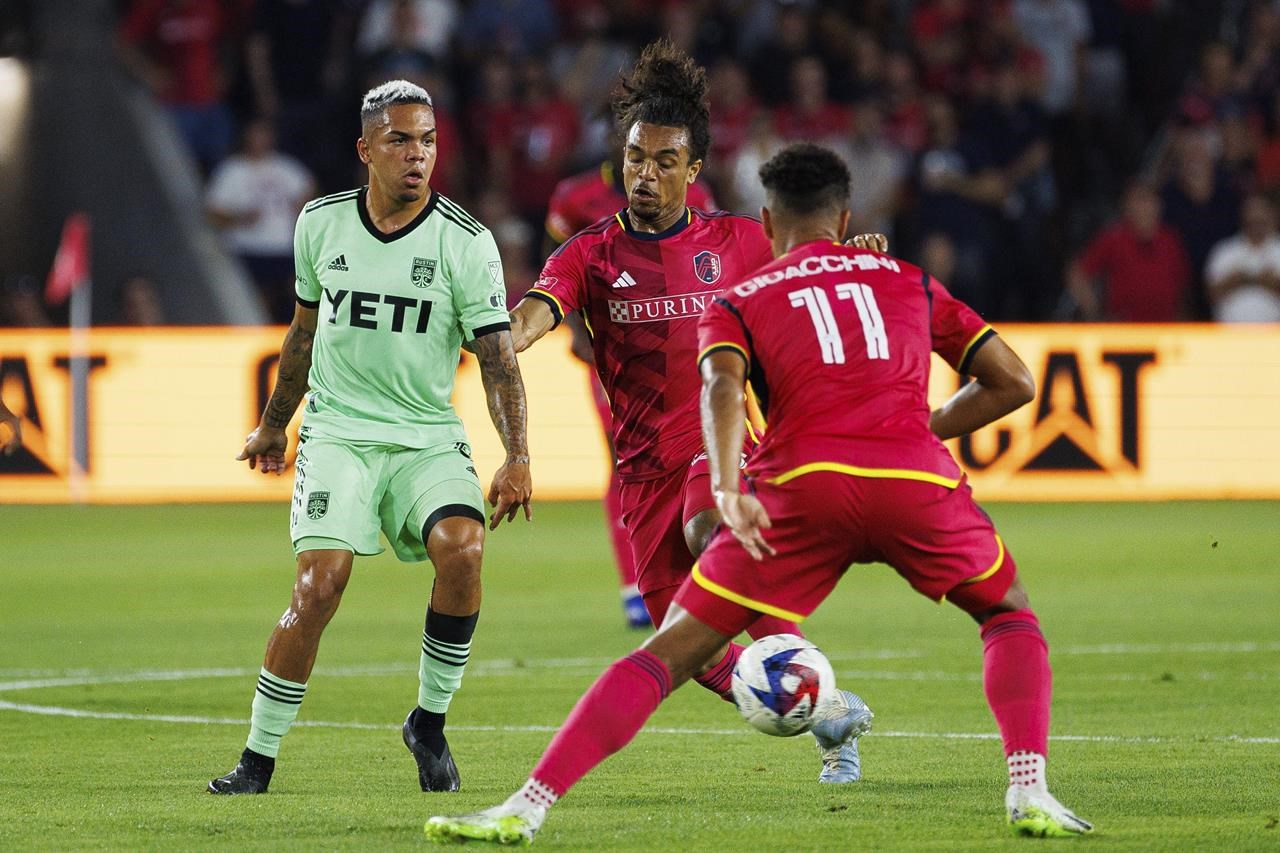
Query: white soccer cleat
<point>505,824</point>
<point>1034,811</point>
<point>837,736</point>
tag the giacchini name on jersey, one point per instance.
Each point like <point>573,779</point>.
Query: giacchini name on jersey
<point>818,265</point>
<point>360,310</point>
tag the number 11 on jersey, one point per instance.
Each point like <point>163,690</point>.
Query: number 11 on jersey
<point>824,321</point>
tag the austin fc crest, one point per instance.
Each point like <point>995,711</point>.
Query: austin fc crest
<point>424,271</point>
<point>317,505</point>
<point>706,266</point>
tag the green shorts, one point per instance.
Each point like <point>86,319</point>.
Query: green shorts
<point>345,492</point>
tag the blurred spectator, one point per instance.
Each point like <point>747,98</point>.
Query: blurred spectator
<point>254,198</point>
<point>880,168</point>
<point>491,118</point>
<point>538,153</point>
<point>1267,171</point>
<point>400,54</point>
<point>22,304</point>
<point>809,114</point>
<point>139,303</point>
<point>745,194</point>
<point>1213,94</point>
<point>1060,31</point>
<point>178,48</point>
<point>771,61</point>
<point>938,32</point>
<point>513,28</point>
<point>960,194</point>
<point>1243,271</point>
<point>1012,131</point>
<point>1140,264</point>
<point>426,26</point>
<point>297,54</point>
<point>733,110</point>
<point>1202,207</point>
<point>938,257</point>
<point>905,122</point>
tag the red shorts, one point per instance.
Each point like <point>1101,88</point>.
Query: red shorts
<point>655,513</point>
<point>937,538</point>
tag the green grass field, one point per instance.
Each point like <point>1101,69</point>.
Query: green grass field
<point>130,640</point>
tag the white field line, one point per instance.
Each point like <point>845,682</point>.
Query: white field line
<point>868,655</point>
<point>495,667</point>
<point>56,711</point>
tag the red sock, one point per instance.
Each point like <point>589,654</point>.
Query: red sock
<point>605,719</point>
<point>1017,679</point>
<point>719,679</point>
<point>767,625</point>
<point>622,555</point>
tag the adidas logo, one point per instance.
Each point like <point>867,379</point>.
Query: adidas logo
<point>339,263</point>
<point>624,280</point>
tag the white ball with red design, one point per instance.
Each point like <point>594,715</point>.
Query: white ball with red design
<point>783,684</point>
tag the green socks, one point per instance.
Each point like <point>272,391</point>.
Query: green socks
<point>275,707</point>
<point>446,646</point>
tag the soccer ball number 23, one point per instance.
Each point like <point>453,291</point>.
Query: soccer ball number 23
<point>783,684</point>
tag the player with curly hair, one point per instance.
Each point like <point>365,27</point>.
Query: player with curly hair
<point>640,278</point>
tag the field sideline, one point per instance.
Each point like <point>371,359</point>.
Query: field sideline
<point>130,639</point>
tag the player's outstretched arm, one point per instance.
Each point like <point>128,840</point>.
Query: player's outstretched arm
<point>724,425</point>
<point>1002,383</point>
<point>504,390</point>
<point>265,446</point>
<point>530,320</point>
<point>10,420</point>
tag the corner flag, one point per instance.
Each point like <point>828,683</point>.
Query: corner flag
<point>70,267</point>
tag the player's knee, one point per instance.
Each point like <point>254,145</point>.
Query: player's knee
<point>319,586</point>
<point>1015,598</point>
<point>456,547</point>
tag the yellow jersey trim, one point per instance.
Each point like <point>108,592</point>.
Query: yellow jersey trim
<point>751,432</point>
<point>995,567</point>
<point>707,350</point>
<point>874,473</point>
<point>716,589</point>
<point>618,216</point>
<point>965,353</point>
<point>550,296</point>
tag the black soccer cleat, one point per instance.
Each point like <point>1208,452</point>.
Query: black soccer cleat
<point>251,776</point>
<point>434,773</point>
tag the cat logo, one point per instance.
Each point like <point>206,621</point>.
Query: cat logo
<point>317,505</point>
<point>424,272</point>
<point>1064,437</point>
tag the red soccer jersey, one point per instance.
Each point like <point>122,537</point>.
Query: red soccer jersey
<point>838,342</point>
<point>590,196</point>
<point>641,295</point>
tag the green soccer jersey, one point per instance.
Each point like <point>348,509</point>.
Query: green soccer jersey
<point>394,310</point>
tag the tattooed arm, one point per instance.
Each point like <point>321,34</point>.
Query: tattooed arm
<point>265,446</point>
<point>504,389</point>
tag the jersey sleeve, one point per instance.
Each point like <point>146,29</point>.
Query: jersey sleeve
<point>721,328</point>
<point>306,284</point>
<point>957,330</point>
<point>563,282</point>
<point>479,291</point>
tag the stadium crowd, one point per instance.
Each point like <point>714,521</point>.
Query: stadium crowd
<point>1048,159</point>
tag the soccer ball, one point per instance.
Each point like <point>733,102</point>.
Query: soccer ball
<point>783,684</point>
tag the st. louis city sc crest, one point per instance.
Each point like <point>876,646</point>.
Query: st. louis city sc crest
<point>706,266</point>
